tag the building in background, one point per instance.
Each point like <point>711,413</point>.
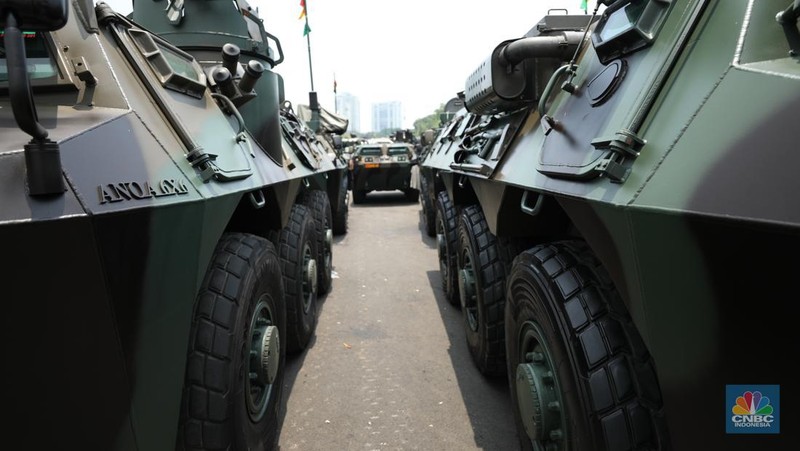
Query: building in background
<point>349,106</point>
<point>387,115</point>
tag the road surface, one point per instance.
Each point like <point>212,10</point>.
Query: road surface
<point>389,368</point>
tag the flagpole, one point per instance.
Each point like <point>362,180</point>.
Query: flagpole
<point>308,41</point>
<point>335,97</point>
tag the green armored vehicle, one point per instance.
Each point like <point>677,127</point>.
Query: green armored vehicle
<point>164,223</point>
<point>617,216</point>
<point>383,167</point>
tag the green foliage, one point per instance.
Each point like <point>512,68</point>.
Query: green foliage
<point>430,121</point>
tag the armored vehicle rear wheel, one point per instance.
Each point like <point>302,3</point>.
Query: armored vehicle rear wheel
<point>446,236</point>
<point>428,209</point>
<point>235,366</point>
<point>297,250</point>
<point>412,195</point>
<point>579,374</point>
<point>341,209</point>
<point>481,288</point>
<point>359,196</point>
<point>320,207</point>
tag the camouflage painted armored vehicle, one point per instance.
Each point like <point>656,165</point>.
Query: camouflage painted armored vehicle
<point>431,141</point>
<point>159,252</point>
<point>619,202</point>
<point>383,167</point>
<point>329,130</point>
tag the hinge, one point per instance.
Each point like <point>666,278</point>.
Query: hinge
<point>625,143</point>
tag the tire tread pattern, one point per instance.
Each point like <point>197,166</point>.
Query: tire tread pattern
<point>207,394</point>
<point>289,246</point>
<point>319,205</point>
<point>447,212</point>
<point>491,273</point>
<point>618,372</point>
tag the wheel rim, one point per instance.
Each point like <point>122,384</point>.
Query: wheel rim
<point>441,246</point>
<point>328,256</point>
<point>538,393</point>
<point>467,291</point>
<point>309,277</point>
<point>264,359</point>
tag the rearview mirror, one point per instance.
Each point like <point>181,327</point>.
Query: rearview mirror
<point>35,15</point>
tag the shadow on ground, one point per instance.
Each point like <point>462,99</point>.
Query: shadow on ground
<point>480,393</point>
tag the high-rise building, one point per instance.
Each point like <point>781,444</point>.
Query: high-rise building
<point>349,106</point>
<point>387,115</point>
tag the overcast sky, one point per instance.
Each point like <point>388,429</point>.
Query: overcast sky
<point>417,52</point>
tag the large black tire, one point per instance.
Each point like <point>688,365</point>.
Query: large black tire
<point>235,365</point>
<point>570,340</point>
<point>359,196</point>
<point>317,201</point>
<point>481,286</point>
<point>428,208</point>
<point>297,250</point>
<point>340,209</point>
<point>446,237</point>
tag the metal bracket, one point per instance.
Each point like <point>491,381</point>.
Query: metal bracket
<point>257,199</point>
<point>615,172</point>
<point>537,207</point>
<point>82,71</point>
<point>624,142</point>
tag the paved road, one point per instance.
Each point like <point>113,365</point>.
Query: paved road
<point>389,368</point>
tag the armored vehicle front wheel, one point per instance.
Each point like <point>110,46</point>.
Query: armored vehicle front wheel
<point>428,209</point>
<point>235,365</point>
<point>341,208</point>
<point>481,288</point>
<point>579,373</point>
<point>446,236</point>
<point>297,250</point>
<point>320,207</point>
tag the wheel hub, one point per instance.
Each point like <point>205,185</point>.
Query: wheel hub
<point>538,394</point>
<point>264,360</point>
<point>328,249</point>
<point>328,240</point>
<point>270,353</point>
<point>466,291</point>
<point>311,275</point>
<point>441,245</point>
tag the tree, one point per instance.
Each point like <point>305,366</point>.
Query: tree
<point>430,121</point>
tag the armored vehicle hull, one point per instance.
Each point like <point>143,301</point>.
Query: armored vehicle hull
<point>625,221</point>
<point>148,220</point>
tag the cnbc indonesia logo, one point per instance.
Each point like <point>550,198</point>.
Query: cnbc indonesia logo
<point>752,411</point>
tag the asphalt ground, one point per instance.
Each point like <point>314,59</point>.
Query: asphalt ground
<point>389,368</point>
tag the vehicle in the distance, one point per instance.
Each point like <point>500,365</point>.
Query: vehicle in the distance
<point>383,167</point>
<point>615,205</point>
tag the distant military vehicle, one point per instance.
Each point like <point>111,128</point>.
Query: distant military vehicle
<point>156,226</point>
<point>383,167</point>
<point>616,205</point>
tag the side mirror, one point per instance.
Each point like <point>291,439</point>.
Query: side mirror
<point>40,15</point>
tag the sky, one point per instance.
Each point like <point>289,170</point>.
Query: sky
<point>417,52</point>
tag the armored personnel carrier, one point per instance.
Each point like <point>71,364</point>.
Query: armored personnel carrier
<point>384,167</point>
<point>157,225</point>
<point>613,206</point>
